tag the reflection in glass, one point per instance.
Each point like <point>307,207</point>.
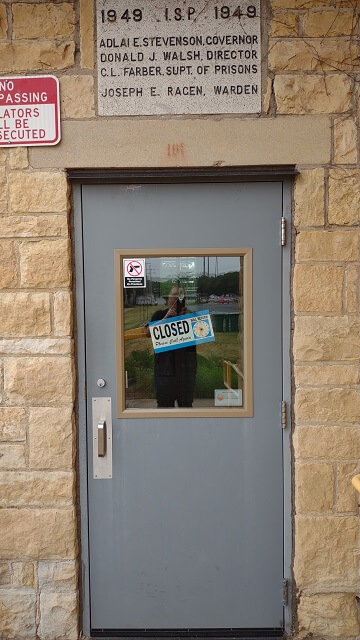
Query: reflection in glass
<point>205,375</point>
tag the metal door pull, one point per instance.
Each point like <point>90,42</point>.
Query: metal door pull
<point>101,433</point>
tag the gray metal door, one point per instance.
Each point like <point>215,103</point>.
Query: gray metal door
<point>188,532</point>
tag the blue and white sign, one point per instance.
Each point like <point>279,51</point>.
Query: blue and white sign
<point>181,331</point>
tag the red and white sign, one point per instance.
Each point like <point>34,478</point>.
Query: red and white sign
<point>134,273</point>
<point>29,111</point>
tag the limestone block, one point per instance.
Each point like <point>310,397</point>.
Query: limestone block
<point>345,141</point>
<point>3,156</point>
<point>298,4</point>
<point>8,264</point>
<point>323,374</point>
<point>77,97</point>
<point>58,616</point>
<point>39,380</point>
<point>18,614</point>
<point>267,96</point>
<point>38,534</point>
<point>318,288</point>
<point>284,25</point>
<point>86,34</point>
<point>344,196</point>
<point>312,55</point>
<point>45,263</point>
<point>320,24</point>
<point>3,21</point>
<point>299,94</point>
<point>57,576</point>
<point>327,246</point>
<point>346,496</point>
<point>3,190</point>
<point>12,456</point>
<point>49,20</point>
<point>34,226</point>
<point>33,56</point>
<point>41,192</point>
<point>326,443</point>
<point>327,338</point>
<point>63,313</point>
<point>25,314</point>
<point>51,438</point>
<point>18,158</point>
<point>330,614</point>
<point>327,405</point>
<point>325,551</point>
<point>36,346</point>
<point>5,574</point>
<point>36,488</point>
<point>23,574</point>
<point>314,487</point>
<point>12,424</point>
<point>309,195</point>
<point>351,288</point>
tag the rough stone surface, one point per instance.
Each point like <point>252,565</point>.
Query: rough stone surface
<point>49,20</point>
<point>299,94</point>
<point>39,380</point>
<point>58,616</point>
<point>327,443</point>
<point>36,56</point>
<point>18,609</point>
<point>23,574</point>
<point>5,574</point>
<point>3,21</point>
<point>18,158</point>
<point>284,25</point>
<point>57,576</point>
<point>309,196</point>
<point>36,488</point>
<point>51,438</point>
<point>346,496</point>
<point>351,289</point>
<point>314,487</point>
<point>45,263</point>
<point>34,226</point>
<point>62,313</point>
<point>298,4</point>
<point>345,141</point>
<point>312,55</point>
<point>25,314</point>
<point>77,96</point>
<point>325,553</point>
<point>3,191</point>
<point>324,246</point>
<point>36,346</point>
<point>323,374</point>
<point>42,192</point>
<point>318,288</point>
<point>37,534</point>
<point>8,264</point>
<point>344,196</point>
<point>86,34</point>
<point>319,24</point>
<point>12,456</point>
<point>330,614</point>
<point>327,338</point>
<point>327,405</point>
<point>12,424</point>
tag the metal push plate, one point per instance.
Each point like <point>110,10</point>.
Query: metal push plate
<point>102,451</point>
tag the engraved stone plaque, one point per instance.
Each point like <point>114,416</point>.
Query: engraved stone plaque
<point>183,57</point>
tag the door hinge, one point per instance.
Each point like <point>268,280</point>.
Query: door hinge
<point>285,592</point>
<point>283,232</point>
<point>283,414</point>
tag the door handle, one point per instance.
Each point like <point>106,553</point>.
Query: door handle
<point>101,437</point>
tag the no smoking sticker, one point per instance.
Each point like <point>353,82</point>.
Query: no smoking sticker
<point>134,273</point>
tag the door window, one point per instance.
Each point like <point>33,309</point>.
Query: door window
<point>184,332</point>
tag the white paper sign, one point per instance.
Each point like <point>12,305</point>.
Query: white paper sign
<point>134,273</point>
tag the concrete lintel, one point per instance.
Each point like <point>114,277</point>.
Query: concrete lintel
<point>131,143</point>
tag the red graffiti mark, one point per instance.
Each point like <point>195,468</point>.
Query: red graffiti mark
<point>176,150</point>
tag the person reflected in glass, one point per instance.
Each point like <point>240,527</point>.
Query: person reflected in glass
<point>175,370</point>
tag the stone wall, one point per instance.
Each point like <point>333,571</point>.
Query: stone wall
<point>312,68</point>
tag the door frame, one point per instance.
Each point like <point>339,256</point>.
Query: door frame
<point>78,179</point>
